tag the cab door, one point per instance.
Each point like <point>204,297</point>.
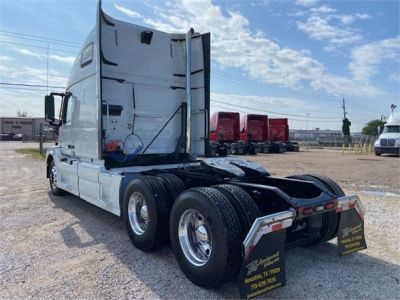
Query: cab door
<point>68,165</point>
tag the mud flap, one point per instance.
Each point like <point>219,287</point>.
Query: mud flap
<point>351,236</point>
<point>263,267</point>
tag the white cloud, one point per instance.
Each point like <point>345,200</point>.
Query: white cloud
<point>28,52</point>
<point>366,58</point>
<point>66,59</point>
<point>349,19</point>
<point>395,77</point>
<point>29,75</point>
<point>5,58</point>
<point>318,28</point>
<point>323,9</point>
<point>126,11</point>
<point>235,45</point>
<point>306,2</point>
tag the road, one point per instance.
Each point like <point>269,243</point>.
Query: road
<point>62,247</point>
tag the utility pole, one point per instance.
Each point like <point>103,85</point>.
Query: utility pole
<point>344,108</point>
<point>47,67</point>
<point>308,115</point>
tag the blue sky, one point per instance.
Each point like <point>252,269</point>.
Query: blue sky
<point>282,58</point>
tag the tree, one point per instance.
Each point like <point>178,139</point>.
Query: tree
<point>23,114</point>
<point>372,127</point>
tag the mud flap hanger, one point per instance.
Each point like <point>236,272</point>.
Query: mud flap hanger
<point>350,235</point>
<point>263,267</point>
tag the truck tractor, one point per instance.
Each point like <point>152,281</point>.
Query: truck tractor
<point>133,119</point>
<point>389,139</point>
<point>254,132</point>
<point>224,131</point>
<point>279,134</point>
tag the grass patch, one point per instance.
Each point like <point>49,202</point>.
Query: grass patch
<point>32,152</point>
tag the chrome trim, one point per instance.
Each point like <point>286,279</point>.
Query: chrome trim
<point>263,225</point>
<point>188,88</point>
<point>195,237</point>
<point>345,202</point>
<point>137,213</point>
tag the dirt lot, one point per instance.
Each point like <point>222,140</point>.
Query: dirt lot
<point>63,247</point>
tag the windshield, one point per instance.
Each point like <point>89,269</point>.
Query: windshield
<point>391,129</point>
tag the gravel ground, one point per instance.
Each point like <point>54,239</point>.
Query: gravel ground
<point>62,247</point>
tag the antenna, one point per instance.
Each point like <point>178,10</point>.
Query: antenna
<point>344,108</point>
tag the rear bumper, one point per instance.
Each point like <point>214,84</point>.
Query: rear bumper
<point>390,150</point>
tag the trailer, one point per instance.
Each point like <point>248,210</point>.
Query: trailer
<point>133,119</point>
<point>224,131</point>
<point>254,133</point>
<point>279,134</point>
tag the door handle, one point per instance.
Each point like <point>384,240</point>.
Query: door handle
<point>71,147</point>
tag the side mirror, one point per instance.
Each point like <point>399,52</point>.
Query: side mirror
<point>49,109</point>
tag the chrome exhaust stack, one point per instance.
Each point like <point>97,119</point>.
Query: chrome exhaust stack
<point>188,89</point>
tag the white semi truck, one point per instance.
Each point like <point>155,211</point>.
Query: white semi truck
<point>389,139</point>
<point>133,119</point>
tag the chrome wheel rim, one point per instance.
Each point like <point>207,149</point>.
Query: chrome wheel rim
<point>53,178</point>
<point>137,213</point>
<point>195,237</point>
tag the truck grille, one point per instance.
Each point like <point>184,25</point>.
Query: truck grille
<point>388,142</point>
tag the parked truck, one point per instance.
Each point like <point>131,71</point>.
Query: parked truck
<point>224,131</point>
<point>279,135</point>
<point>389,139</point>
<point>133,118</point>
<point>254,133</point>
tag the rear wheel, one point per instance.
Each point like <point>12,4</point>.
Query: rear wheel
<point>330,220</point>
<point>173,184</point>
<point>146,212</point>
<point>234,149</point>
<point>205,235</point>
<point>244,205</point>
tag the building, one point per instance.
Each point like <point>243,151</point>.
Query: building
<point>28,127</point>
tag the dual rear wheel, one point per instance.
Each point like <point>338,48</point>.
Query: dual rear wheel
<point>205,225</point>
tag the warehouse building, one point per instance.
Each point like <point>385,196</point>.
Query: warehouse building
<point>28,127</point>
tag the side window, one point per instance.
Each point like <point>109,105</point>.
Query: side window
<point>69,110</point>
<point>87,55</point>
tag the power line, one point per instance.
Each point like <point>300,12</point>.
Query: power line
<point>32,85</point>
<point>37,46</point>
<point>23,88</point>
<point>273,112</point>
<point>291,119</point>
<point>40,38</point>
<point>274,90</point>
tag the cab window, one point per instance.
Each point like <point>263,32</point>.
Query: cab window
<point>87,55</point>
<point>69,110</point>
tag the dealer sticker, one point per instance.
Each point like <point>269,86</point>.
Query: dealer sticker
<point>264,268</point>
<point>351,236</point>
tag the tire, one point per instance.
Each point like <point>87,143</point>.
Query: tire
<point>223,231</point>
<point>330,220</point>
<point>234,150</point>
<point>243,204</point>
<point>378,154</point>
<point>53,180</point>
<point>223,153</point>
<point>173,184</point>
<point>154,232</point>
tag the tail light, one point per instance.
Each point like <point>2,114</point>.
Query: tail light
<point>329,205</point>
<point>305,210</point>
